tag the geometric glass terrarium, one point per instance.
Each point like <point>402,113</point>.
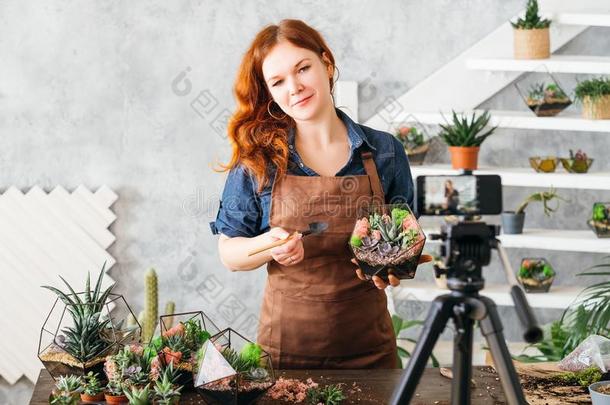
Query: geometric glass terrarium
<point>232,370</point>
<point>414,138</point>
<point>543,94</point>
<point>535,275</point>
<point>600,219</point>
<point>181,336</point>
<point>77,335</point>
<point>387,239</point>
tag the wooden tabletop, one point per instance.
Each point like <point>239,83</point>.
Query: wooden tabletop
<point>361,386</point>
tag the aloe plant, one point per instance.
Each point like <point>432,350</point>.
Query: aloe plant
<point>464,132</point>
<point>532,19</point>
<point>139,396</point>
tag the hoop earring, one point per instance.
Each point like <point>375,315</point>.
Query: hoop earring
<point>269,111</point>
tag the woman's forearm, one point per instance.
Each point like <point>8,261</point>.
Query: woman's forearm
<point>234,252</point>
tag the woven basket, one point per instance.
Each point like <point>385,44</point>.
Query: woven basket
<point>597,109</point>
<point>532,44</point>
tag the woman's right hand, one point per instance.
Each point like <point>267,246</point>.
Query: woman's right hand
<point>291,252</point>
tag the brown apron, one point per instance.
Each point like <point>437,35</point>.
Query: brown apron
<point>318,314</point>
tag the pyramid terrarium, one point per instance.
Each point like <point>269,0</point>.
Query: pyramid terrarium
<point>181,335</point>
<point>387,239</point>
<point>232,370</point>
<point>82,328</point>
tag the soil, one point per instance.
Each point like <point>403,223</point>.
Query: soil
<point>549,107</point>
<point>604,389</point>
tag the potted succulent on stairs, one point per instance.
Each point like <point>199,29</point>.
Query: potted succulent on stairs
<point>512,221</point>
<point>464,138</point>
<point>594,94</point>
<point>531,34</point>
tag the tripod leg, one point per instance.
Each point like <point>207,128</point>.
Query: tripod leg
<point>491,328</point>
<point>441,310</point>
<point>462,353</point>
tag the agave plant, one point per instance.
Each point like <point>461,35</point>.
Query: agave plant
<point>464,132</point>
<point>165,390</point>
<point>139,396</point>
<point>86,339</point>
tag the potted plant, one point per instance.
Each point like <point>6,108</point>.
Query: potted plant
<point>512,221</point>
<point>92,388</point>
<point>536,275</point>
<point>547,100</point>
<point>87,332</point>
<point>67,390</point>
<point>600,393</point>
<point>600,220</point>
<point>139,396</point>
<point>594,94</point>
<point>531,34</point>
<point>115,392</point>
<point>232,370</point>
<point>415,143</point>
<point>577,162</point>
<point>387,239</point>
<point>464,138</point>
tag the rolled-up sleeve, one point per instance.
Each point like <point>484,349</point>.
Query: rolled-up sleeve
<point>401,187</point>
<point>239,213</point>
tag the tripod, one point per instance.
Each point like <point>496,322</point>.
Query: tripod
<point>467,247</point>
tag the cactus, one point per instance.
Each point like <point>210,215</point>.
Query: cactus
<point>151,307</point>
<point>169,310</point>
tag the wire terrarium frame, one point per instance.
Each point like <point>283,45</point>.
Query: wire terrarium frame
<point>222,340</point>
<point>543,108</point>
<point>117,334</point>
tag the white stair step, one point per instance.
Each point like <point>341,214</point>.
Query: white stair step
<point>527,177</point>
<point>518,120</point>
<point>554,64</point>
<point>591,18</point>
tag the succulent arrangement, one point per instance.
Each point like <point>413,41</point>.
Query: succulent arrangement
<point>86,331</point>
<point>595,97</point>
<point>166,389</point>
<point>67,390</point>
<point>536,275</point>
<point>92,387</point>
<point>577,162</point>
<point>328,395</point>
<point>115,392</point>
<point>547,100</point>
<point>410,137</point>
<point>232,369</point>
<point>600,219</point>
<point>381,240</point>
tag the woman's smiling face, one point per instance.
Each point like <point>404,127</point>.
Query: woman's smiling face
<point>298,80</point>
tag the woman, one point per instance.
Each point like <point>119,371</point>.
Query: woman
<point>452,198</point>
<point>297,159</point>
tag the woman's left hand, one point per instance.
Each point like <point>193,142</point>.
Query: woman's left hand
<point>394,281</point>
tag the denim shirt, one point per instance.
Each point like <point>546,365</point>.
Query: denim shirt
<point>245,212</point>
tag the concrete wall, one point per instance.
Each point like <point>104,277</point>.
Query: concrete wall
<point>134,95</point>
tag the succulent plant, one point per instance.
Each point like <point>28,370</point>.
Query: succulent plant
<point>165,390</point>
<point>139,396</point>
<point>532,20</point>
<point>63,398</point>
<point>91,384</point>
<point>69,383</point>
<point>536,269</point>
<point>194,334</point>
<point>115,387</point>
<point>600,212</point>
<point>87,338</point>
<point>465,132</point>
<point>536,92</point>
<point>176,343</point>
<point>410,137</point>
<point>579,155</point>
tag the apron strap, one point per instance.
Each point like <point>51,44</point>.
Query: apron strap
<point>371,171</point>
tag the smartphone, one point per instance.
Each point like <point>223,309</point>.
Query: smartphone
<point>460,194</point>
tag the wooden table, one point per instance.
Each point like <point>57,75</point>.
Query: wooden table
<point>376,386</point>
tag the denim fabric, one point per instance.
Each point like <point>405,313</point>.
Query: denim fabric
<point>244,212</point>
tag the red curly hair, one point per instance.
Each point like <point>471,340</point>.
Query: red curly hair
<point>256,137</point>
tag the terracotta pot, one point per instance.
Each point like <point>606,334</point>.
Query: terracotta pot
<point>464,157</point>
<point>92,398</point>
<point>596,109</point>
<point>531,44</point>
<point>115,399</point>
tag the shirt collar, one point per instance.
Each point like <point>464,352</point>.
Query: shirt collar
<point>355,134</point>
